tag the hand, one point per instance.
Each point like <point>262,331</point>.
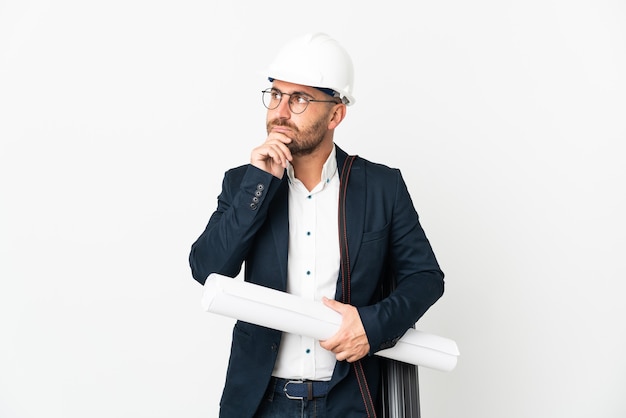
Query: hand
<point>272,156</point>
<point>350,343</point>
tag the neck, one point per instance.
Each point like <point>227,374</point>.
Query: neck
<point>308,168</point>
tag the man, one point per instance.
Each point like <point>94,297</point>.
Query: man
<point>278,215</point>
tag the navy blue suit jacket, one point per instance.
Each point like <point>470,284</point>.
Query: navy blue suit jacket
<point>385,239</point>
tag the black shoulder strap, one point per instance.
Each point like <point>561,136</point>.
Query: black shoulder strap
<point>345,278</point>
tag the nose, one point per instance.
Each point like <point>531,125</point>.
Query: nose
<point>283,111</point>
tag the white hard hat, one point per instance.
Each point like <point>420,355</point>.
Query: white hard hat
<point>315,60</point>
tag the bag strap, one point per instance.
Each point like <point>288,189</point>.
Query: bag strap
<point>343,230</point>
<point>345,278</point>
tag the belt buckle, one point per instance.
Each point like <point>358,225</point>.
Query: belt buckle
<point>296,397</point>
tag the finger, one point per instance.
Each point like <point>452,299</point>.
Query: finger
<point>334,304</point>
<point>347,356</point>
<point>279,136</point>
<point>274,142</point>
<point>328,344</point>
<point>271,152</point>
<point>277,152</point>
<point>332,344</point>
<point>341,357</point>
<point>281,133</point>
<point>277,155</point>
<point>279,140</point>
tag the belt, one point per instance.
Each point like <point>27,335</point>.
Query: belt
<point>301,389</point>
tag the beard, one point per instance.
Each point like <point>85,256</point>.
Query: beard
<point>304,141</point>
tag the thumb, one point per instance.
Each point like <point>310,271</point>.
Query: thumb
<point>333,304</point>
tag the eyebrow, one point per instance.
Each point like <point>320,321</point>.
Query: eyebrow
<point>301,93</point>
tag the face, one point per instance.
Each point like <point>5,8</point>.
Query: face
<point>307,130</point>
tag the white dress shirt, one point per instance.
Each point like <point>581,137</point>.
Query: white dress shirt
<point>312,267</point>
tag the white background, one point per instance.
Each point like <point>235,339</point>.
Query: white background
<point>119,118</point>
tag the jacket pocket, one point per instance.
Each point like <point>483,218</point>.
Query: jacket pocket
<point>376,235</point>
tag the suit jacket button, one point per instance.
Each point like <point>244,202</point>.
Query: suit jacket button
<point>260,186</point>
<point>253,206</point>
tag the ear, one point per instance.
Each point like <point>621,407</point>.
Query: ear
<point>337,115</point>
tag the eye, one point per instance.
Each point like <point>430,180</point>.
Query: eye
<point>276,95</point>
<point>299,99</point>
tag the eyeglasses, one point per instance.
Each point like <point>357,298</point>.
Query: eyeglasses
<point>298,102</point>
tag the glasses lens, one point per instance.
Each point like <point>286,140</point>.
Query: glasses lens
<point>271,98</point>
<point>298,103</point>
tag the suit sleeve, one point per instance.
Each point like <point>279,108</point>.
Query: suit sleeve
<point>411,262</point>
<point>241,210</point>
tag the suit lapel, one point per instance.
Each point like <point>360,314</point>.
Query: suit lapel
<point>279,218</point>
<point>355,208</point>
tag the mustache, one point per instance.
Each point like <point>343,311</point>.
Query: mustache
<point>282,122</point>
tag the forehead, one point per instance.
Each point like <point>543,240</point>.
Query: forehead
<point>286,87</point>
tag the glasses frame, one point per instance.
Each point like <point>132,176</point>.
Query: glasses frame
<point>299,93</point>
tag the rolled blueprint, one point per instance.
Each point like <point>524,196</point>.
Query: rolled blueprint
<point>282,311</point>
